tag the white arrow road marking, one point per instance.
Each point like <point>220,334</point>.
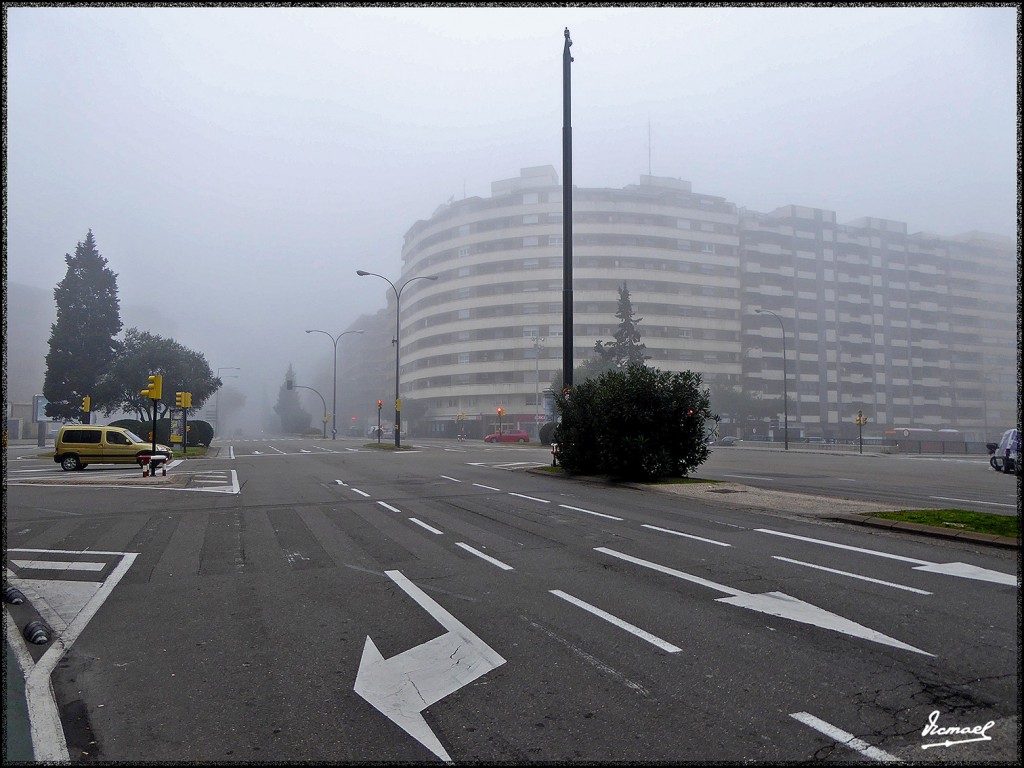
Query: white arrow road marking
<point>950,569</point>
<point>776,604</point>
<point>404,685</point>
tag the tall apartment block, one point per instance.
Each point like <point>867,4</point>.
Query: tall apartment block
<point>914,330</point>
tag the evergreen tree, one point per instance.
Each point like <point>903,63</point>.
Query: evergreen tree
<point>627,348</point>
<point>294,418</point>
<point>82,343</point>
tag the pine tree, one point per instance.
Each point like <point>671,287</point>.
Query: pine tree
<point>627,347</point>
<point>82,343</point>
<point>294,418</point>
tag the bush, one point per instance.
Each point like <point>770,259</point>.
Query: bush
<point>140,428</point>
<point>546,432</point>
<point>634,423</point>
<point>200,433</point>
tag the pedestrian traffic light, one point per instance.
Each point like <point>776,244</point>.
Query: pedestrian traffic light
<point>179,399</point>
<point>86,403</point>
<point>154,390</point>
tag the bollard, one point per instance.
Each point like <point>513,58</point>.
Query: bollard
<point>37,633</point>
<point>13,595</point>
<point>144,462</point>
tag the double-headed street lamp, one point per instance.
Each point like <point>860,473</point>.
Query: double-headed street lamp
<point>785,393</point>
<point>398,328</point>
<point>334,401</point>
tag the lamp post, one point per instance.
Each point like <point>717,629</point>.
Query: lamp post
<point>216,400</point>
<point>785,393</point>
<point>398,330</point>
<point>567,298</point>
<point>334,400</point>
<point>538,345</point>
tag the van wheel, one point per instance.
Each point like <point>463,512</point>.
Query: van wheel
<point>70,463</point>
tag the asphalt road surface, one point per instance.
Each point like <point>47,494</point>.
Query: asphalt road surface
<point>320,601</point>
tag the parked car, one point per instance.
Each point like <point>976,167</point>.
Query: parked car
<point>727,440</point>
<point>514,436</point>
<point>78,445</point>
<point>1006,454</point>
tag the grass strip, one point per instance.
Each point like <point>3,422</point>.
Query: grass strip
<point>958,519</point>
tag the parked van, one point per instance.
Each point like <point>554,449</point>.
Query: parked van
<point>79,445</point>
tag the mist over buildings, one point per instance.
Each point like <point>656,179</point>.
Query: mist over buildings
<point>238,165</point>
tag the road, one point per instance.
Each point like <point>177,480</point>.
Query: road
<point>312,600</point>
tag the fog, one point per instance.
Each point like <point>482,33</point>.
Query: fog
<point>238,165</point>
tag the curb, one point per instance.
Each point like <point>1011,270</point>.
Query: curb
<point>989,539</point>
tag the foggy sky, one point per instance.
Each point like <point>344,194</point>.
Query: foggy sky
<point>237,165</point>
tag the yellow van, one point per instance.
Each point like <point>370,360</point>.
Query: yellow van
<point>79,445</point>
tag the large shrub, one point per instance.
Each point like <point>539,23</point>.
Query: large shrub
<point>634,423</point>
<point>546,431</point>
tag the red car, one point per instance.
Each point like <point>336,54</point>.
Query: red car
<point>515,436</point>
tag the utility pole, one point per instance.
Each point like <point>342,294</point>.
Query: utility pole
<point>567,340</point>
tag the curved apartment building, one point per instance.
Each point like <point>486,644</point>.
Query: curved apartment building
<point>487,334</point>
<point>914,330</point>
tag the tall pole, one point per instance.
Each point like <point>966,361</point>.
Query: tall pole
<point>398,346</point>
<point>567,340</point>
<point>537,346</point>
<point>785,392</point>
<point>334,401</point>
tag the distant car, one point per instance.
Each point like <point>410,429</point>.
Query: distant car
<point>515,436</point>
<point>727,440</point>
<point>375,432</point>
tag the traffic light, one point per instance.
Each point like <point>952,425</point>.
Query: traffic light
<point>860,417</point>
<point>501,411</point>
<point>86,403</point>
<point>188,399</point>
<point>154,390</point>
<point>179,399</point>
<point>380,404</point>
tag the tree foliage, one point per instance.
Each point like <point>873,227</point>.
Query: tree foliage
<point>636,423</point>
<point>82,343</point>
<point>143,354</point>
<point>294,418</point>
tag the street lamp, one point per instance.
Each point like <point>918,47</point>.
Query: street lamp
<point>216,399</point>
<point>334,401</point>
<point>398,329</point>
<point>785,393</point>
<point>538,345</point>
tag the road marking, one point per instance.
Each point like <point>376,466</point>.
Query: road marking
<point>451,478</point>
<point>631,628</point>
<point>963,570</point>
<point>531,498</point>
<point>48,740</point>
<point>687,535</point>
<point>587,511</point>
<point>488,558</point>
<point>55,565</point>
<point>428,527</point>
<point>361,493</point>
<point>842,737</point>
<point>231,451</point>
<point>404,685</point>
<point>843,546</point>
<point>776,604</point>
<point>852,575</point>
<point>752,477</point>
<point>341,482</point>
<point>973,501</point>
<point>489,488</point>
<point>276,449</point>
<point>388,506</point>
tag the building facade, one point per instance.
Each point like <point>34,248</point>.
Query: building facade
<point>915,330</point>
